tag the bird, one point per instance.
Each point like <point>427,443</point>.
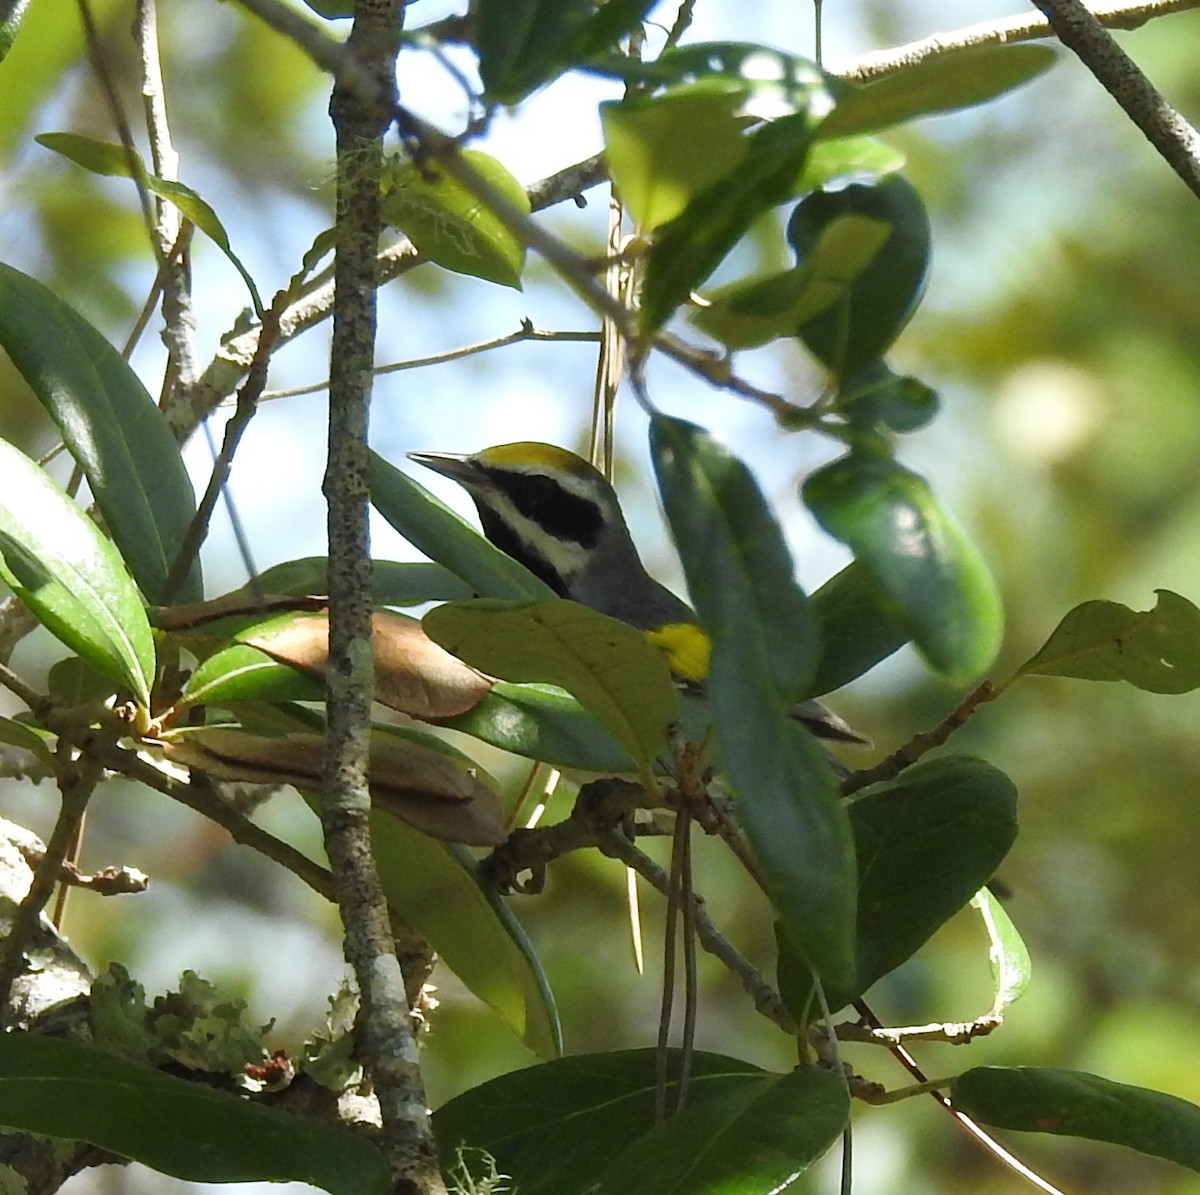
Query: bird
<point>556,514</point>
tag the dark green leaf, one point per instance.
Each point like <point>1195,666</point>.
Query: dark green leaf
<point>662,151</point>
<point>939,84</point>
<point>435,888</point>
<point>553,1128</point>
<point>448,224</point>
<point>393,583</point>
<point>740,579</point>
<point>1157,650</point>
<point>756,1137</point>
<point>858,628</point>
<point>1075,1104</point>
<point>17,734</point>
<point>687,249</point>
<point>524,44</point>
<point>433,528</point>
<point>874,394</point>
<point>1009,958</point>
<point>74,681</point>
<point>67,573</point>
<point>931,575</point>
<point>11,12</point>
<point>111,425</point>
<point>188,1130</point>
<point>607,666</point>
<point>875,269</point>
<point>543,723</point>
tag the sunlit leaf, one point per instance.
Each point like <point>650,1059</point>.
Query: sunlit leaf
<point>608,666</point>
<point>111,425</point>
<point>876,265</point>
<point>433,528</point>
<point>1007,954</point>
<point>243,673</point>
<point>393,582</point>
<point>448,224</point>
<point>740,579</point>
<point>74,1091</point>
<point>847,157</point>
<point>932,576</point>
<point>1157,650</point>
<point>57,562</point>
<point>941,83</point>
<point>1075,1104</point>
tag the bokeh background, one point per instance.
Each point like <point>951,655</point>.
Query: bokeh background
<point>1060,328</point>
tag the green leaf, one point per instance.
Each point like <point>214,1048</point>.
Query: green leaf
<point>858,628</point>
<point>67,573</point>
<point>876,395</point>
<point>393,583</point>
<point>11,12</point>
<point>931,575</point>
<point>433,528</point>
<point>688,248</point>
<point>111,425</point>
<point>749,313</point>
<point>756,1137</point>
<point>1075,1104</point>
<point>74,681</point>
<point>543,723</point>
<point>75,1091</point>
<point>1157,650</point>
<point>554,1128</point>
<point>17,734</point>
<point>436,889</point>
<point>740,580</point>
<point>523,44</point>
<point>662,151</point>
<point>939,84</point>
<point>243,673</point>
<point>606,665</point>
<point>847,157</point>
<point>448,224</point>
<point>1009,958</point>
<point>108,158</point>
<point>875,267</point>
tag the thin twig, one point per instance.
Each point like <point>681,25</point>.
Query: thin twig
<point>1164,126</point>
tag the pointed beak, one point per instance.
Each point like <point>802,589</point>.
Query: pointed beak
<point>457,467</point>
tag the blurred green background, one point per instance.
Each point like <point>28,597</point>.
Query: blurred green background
<point>1060,327</point>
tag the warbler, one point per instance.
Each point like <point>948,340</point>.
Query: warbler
<point>558,516</point>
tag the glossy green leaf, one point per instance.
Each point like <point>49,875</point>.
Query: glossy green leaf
<point>757,1137</point>
<point>111,425</point>
<point>1157,650</point>
<point>688,248</point>
<point>11,12</point>
<point>449,225</point>
<point>858,628</point>
<point>554,1128</point>
<point>876,395</point>
<point>543,723</point>
<point>749,313</point>
<point>607,666</point>
<point>941,83</point>
<point>662,151</point>
<point>1007,954</point>
<point>931,575</point>
<point>435,888</point>
<point>433,528</point>
<point>243,673</point>
<point>108,158</point>
<point>763,647</point>
<point>393,582</point>
<point>524,44</point>
<point>57,562</point>
<point>879,278</point>
<point>1075,1104</point>
<point>75,1091</point>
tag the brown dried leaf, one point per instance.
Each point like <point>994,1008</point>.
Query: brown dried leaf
<point>416,784</point>
<point>412,673</point>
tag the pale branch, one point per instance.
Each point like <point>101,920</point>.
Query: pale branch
<point>524,333</point>
<point>955,1033</point>
<point>869,67</point>
<point>1167,129</point>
